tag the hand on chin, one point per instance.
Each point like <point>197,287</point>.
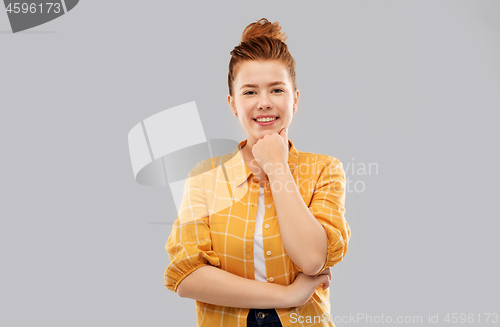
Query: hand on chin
<point>271,150</point>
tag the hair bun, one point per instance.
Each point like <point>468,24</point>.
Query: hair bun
<point>263,27</point>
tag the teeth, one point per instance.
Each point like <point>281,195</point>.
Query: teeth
<point>263,120</point>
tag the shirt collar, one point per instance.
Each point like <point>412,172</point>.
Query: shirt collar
<point>241,172</point>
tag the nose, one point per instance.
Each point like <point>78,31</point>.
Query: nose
<point>264,101</point>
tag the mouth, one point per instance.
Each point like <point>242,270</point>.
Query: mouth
<point>266,123</point>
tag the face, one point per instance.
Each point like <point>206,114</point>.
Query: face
<point>263,88</point>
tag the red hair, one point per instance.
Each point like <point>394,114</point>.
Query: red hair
<point>261,40</point>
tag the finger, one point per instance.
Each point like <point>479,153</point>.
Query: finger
<point>326,285</point>
<point>328,272</point>
<point>325,282</point>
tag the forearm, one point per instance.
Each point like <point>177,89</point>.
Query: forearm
<point>216,286</point>
<point>302,235</point>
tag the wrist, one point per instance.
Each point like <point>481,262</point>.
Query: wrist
<point>281,296</point>
<point>288,297</point>
<point>279,171</point>
<point>275,168</point>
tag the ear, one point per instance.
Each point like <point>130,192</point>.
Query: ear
<point>296,100</point>
<point>230,102</point>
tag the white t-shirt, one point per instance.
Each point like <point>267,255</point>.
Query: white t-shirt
<point>258,246</point>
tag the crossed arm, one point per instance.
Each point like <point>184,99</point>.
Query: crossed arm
<point>213,285</point>
<point>306,243</point>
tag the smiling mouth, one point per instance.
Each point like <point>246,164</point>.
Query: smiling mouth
<point>266,121</point>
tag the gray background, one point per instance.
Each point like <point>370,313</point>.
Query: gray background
<point>412,86</point>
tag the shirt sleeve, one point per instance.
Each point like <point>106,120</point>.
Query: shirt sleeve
<point>327,205</point>
<point>189,245</point>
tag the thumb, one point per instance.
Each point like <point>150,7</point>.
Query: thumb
<point>284,135</point>
<point>284,132</point>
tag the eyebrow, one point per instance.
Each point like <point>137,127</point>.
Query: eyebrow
<point>270,84</point>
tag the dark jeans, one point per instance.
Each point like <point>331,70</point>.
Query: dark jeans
<point>263,318</point>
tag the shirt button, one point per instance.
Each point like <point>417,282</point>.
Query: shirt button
<point>268,185</point>
<point>271,279</point>
<point>268,252</point>
<point>269,207</point>
<point>267,226</point>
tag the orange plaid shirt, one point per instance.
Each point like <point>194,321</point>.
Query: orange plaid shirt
<point>216,224</point>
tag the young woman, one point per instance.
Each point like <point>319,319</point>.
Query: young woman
<point>259,228</point>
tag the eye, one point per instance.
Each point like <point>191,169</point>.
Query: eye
<point>248,92</point>
<point>281,90</point>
